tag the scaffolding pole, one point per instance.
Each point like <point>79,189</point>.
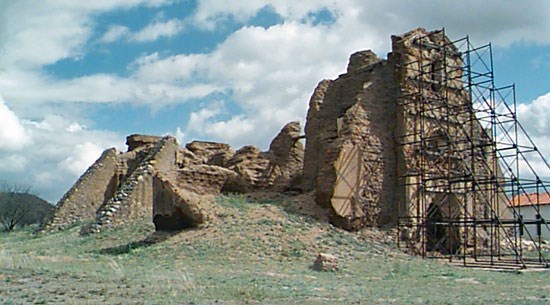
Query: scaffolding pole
<point>466,160</point>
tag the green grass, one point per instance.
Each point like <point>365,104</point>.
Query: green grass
<point>254,253</point>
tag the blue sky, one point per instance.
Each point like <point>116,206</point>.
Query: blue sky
<point>76,77</point>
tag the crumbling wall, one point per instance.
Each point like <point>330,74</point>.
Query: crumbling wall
<point>375,133</point>
<point>354,114</point>
<point>136,141</point>
<point>314,123</point>
<point>89,192</point>
<point>204,179</point>
<point>446,162</point>
<point>175,208</point>
<point>119,188</point>
<point>286,159</point>
<point>211,153</point>
<point>250,164</point>
<point>134,198</point>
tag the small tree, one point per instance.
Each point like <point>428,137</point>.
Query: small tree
<point>12,210</point>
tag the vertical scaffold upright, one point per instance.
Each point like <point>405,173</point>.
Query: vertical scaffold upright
<point>465,160</point>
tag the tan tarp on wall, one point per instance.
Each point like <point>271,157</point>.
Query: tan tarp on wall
<point>350,171</point>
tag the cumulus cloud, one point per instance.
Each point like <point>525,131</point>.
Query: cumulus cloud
<point>36,34</point>
<point>61,150</point>
<point>99,88</point>
<point>199,120</point>
<point>12,163</point>
<point>314,51</point>
<point>209,13</point>
<point>153,31</point>
<point>535,119</point>
<point>266,73</point>
<point>114,33</point>
<point>492,18</point>
<point>82,156</point>
<point>13,135</point>
<point>536,116</point>
<point>158,29</point>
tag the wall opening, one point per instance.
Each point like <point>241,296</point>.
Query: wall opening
<point>442,232</point>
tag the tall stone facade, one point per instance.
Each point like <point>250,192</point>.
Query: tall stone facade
<point>375,133</point>
<point>350,150</point>
<point>390,141</point>
<point>447,163</point>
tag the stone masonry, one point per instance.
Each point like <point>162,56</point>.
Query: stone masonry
<point>370,144</point>
<point>159,179</point>
<point>91,190</point>
<point>358,160</point>
<point>350,147</point>
<point>134,197</point>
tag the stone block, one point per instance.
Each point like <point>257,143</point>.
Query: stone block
<point>175,208</point>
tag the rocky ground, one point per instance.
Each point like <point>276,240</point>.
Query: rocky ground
<point>258,249</point>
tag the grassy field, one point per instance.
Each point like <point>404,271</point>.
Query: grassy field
<point>251,253</point>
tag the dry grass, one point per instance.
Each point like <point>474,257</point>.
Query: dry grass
<point>252,253</point>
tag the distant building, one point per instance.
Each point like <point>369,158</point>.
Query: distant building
<point>526,205</point>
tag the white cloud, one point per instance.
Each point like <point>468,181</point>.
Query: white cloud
<point>211,12</point>
<point>232,130</point>
<point>180,136</point>
<point>36,34</point>
<point>82,156</point>
<point>254,57</point>
<point>158,29</point>
<point>13,163</point>
<point>100,88</point>
<point>153,31</point>
<point>199,121</point>
<point>266,73</point>
<point>536,116</point>
<point>152,68</point>
<point>481,19</point>
<point>74,127</point>
<point>114,33</point>
<point>269,73</point>
<point>12,133</point>
<point>61,150</point>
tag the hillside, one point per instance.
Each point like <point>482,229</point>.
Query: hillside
<point>252,251</point>
<point>31,208</point>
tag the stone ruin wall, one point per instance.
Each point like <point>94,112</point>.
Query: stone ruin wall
<point>355,159</point>
<point>432,111</point>
<point>350,143</point>
<point>89,192</point>
<point>176,208</point>
<point>445,140</point>
<point>134,198</point>
<point>355,162</point>
<point>136,183</point>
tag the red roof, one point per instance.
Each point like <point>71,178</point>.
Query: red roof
<point>531,199</point>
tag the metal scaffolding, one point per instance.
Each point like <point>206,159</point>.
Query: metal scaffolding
<point>465,160</point>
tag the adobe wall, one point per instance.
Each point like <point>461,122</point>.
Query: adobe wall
<point>350,132</point>
<point>383,139</point>
<point>119,187</point>
<point>134,198</point>
<point>286,159</point>
<point>89,192</point>
<point>176,208</point>
<point>313,150</point>
<point>447,165</point>
<point>425,128</point>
